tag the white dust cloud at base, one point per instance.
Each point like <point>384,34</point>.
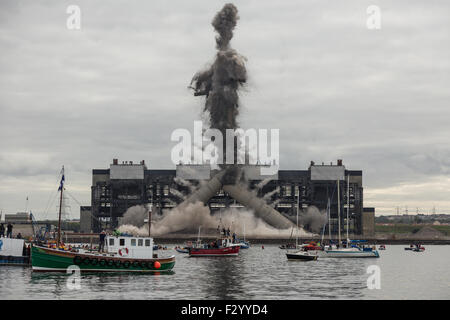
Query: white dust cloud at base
<point>189,218</point>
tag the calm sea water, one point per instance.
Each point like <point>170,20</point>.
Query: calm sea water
<point>255,274</point>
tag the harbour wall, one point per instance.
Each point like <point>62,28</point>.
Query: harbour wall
<point>181,238</point>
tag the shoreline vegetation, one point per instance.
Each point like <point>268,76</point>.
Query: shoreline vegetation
<point>409,228</point>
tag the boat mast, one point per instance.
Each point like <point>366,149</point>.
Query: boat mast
<point>329,221</point>
<point>296,238</point>
<point>198,237</point>
<point>61,187</point>
<point>339,212</point>
<point>348,204</point>
<point>149,222</point>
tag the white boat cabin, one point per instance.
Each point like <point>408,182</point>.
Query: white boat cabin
<point>130,247</point>
<point>228,242</point>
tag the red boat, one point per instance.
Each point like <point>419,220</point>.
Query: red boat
<point>311,246</point>
<point>220,248</point>
<point>213,252</point>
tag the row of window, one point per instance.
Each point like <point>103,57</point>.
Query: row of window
<point>140,242</point>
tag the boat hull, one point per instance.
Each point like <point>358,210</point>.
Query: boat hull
<point>48,260</point>
<point>296,256</point>
<point>349,254</point>
<point>214,252</point>
<point>14,261</point>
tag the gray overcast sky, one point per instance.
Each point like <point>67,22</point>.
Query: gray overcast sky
<point>117,88</point>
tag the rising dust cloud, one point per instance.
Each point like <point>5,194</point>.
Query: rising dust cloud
<point>191,217</point>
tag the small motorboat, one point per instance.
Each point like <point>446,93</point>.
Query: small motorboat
<point>419,248</point>
<point>382,247</point>
<point>301,255</point>
<point>416,248</point>
<point>182,249</point>
<point>242,243</point>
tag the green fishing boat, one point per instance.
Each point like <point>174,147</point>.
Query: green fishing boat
<point>122,254</point>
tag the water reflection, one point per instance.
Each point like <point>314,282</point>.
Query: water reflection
<point>222,279</point>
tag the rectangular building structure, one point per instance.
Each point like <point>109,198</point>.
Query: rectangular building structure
<point>122,186</point>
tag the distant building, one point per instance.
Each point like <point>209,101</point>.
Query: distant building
<point>18,218</point>
<point>127,184</point>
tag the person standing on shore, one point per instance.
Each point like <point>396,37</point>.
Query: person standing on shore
<point>9,230</point>
<point>2,230</point>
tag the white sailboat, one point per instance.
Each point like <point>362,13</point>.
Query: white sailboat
<point>348,252</point>
<point>300,254</point>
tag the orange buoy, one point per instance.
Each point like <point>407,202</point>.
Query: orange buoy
<point>157,265</point>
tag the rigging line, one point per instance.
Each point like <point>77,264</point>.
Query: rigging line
<point>67,192</point>
<point>51,204</point>
<point>334,189</point>
<point>52,196</point>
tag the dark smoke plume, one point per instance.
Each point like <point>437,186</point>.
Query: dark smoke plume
<point>221,82</point>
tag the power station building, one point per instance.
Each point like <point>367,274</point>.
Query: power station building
<point>127,184</point>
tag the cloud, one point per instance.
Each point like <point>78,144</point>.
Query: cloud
<point>117,88</point>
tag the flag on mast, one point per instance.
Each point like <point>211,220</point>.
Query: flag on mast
<point>61,184</point>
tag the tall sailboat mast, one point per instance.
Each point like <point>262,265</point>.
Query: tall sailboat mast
<point>61,188</point>
<point>339,212</point>
<point>198,237</point>
<point>348,203</point>
<point>298,209</point>
<point>296,234</point>
<point>329,221</point>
